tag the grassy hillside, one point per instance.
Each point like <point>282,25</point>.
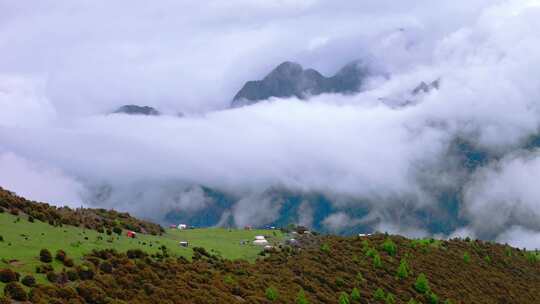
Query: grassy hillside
<point>110,268</point>
<point>328,269</point>
<point>23,240</point>
<point>98,219</point>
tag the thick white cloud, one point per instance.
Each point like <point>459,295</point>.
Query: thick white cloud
<point>39,181</point>
<point>66,63</point>
<point>505,194</point>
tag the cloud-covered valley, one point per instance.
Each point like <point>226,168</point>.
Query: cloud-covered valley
<point>458,159</point>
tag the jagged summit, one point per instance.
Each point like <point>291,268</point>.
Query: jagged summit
<point>290,79</point>
<point>137,110</point>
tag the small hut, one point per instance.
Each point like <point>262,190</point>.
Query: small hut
<point>131,234</point>
<point>183,243</point>
<point>182,226</point>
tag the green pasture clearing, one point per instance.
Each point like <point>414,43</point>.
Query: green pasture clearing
<point>22,241</point>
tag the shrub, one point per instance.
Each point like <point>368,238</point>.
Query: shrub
<point>29,281</point>
<point>229,280</point>
<point>91,293</point>
<point>360,277</point>
<point>421,285</point>
<point>52,277</point>
<point>389,247</point>
<point>15,291</point>
<point>106,267</point>
<point>117,230</point>
<point>432,298</point>
<point>466,257</point>
<point>371,252</point>
<point>72,275</point>
<point>44,268</point>
<point>85,272</point>
<point>45,256</point>
<point>68,262</point>
<point>487,259</point>
<point>325,248</point>
<point>136,254</point>
<point>1,238</point>
<point>301,297</point>
<point>403,269</point>
<point>271,294</point>
<point>339,282</point>
<point>60,255</point>
<point>8,275</point>
<point>412,301</point>
<point>344,298</point>
<point>355,294</point>
<point>377,262</point>
<point>379,294</point>
<point>390,299</point>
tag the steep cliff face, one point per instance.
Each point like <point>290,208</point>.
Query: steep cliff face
<point>290,79</point>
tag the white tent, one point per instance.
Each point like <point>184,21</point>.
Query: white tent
<point>260,242</point>
<point>182,226</point>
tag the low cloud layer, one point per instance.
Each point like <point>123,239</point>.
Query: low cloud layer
<point>357,150</point>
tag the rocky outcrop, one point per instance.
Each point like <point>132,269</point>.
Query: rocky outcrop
<point>290,79</point>
<point>137,110</point>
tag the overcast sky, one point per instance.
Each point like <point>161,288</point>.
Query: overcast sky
<point>66,64</point>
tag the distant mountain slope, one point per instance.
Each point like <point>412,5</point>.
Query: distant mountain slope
<point>137,110</point>
<point>291,79</point>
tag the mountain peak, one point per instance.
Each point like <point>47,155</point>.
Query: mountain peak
<point>137,110</point>
<point>289,79</point>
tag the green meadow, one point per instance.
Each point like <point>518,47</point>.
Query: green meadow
<point>22,241</point>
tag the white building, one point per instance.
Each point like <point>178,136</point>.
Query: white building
<point>182,226</point>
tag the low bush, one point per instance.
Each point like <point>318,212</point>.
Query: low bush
<point>390,299</point>
<point>85,272</point>
<point>106,267</point>
<point>117,230</point>
<point>466,258</point>
<point>271,294</point>
<point>432,298</point>
<point>45,256</point>
<point>136,254</point>
<point>301,297</point>
<point>68,262</point>
<point>60,255</point>
<point>44,268</point>
<point>344,298</point>
<point>29,281</point>
<point>379,294</point>
<point>403,269</point>
<point>325,248</point>
<point>377,262</point>
<point>389,247</point>
<point>52,277</point>
<point>15,291</point>
<point>422,284</point>
<point>72,275</point>
<point>355,294</point>
<point>8,275</point>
